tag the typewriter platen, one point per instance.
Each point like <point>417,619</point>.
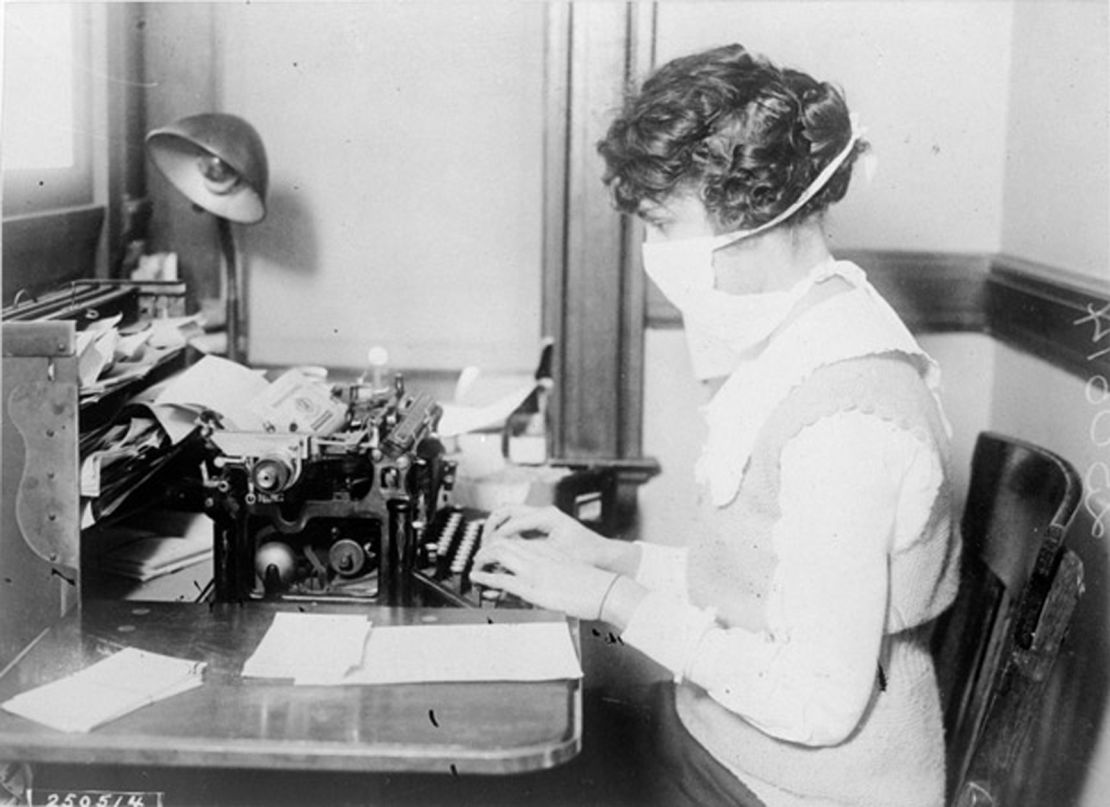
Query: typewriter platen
<point>346,497</point>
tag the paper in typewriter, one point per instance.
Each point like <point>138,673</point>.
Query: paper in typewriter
<point>106,690</point>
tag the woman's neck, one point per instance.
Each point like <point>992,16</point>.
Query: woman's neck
<point>773,261</point>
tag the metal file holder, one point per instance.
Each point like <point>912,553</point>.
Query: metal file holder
<point>40,520</point>
<point>40,517</point>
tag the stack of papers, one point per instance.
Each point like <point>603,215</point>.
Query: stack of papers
<point>109,357</point>
<point>107,690</point>
<point>309,648</point>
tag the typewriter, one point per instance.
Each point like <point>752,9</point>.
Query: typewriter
<point>345,496</point>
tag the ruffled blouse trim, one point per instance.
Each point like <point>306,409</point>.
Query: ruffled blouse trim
<point>818,338</point>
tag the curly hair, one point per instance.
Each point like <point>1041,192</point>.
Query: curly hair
<point>744,135</point>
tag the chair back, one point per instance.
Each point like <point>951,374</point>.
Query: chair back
<point>1018,587</point>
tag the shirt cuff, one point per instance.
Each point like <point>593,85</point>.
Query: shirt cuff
<point>662,568</point>
<point>668,629</point>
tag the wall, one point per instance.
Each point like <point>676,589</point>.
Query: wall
<point>1057,176</point>
<point>405,149</point>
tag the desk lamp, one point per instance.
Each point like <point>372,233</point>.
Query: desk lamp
<point>219,163</point>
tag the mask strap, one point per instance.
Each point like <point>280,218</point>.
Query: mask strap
<point>818,183</point>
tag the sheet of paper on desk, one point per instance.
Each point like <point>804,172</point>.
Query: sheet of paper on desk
<point>106,690</point>
<point>309,648</point>
<point>515,651</point>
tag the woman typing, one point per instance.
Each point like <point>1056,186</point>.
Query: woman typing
<point>793,621</point>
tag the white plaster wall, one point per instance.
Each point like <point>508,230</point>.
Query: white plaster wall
<point>405,145</point>
<point>1057,172</point>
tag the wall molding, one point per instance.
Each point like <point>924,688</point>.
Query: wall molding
<point>1056,316</point>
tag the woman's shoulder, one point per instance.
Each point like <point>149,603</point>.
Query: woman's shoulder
<point>885,388</point>
<point>863,379</point>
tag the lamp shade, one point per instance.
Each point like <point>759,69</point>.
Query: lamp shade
<point>217,161</point>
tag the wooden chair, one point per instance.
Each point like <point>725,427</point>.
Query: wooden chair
<point>1019,586</point>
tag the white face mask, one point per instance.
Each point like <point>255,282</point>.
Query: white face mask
<point>721,328</point>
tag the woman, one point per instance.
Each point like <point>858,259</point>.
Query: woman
<point>794,622</point>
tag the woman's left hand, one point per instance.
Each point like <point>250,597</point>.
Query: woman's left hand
<point>544,576</point>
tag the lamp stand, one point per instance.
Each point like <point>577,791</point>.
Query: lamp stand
<point>236,338</point>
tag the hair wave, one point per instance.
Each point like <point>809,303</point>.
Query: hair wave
<point>729,126</point>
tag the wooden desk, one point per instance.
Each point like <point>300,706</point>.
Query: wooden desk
<point>488,728</point>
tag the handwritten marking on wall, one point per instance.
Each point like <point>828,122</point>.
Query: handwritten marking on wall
<point>1096,480</point>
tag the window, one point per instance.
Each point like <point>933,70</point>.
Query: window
<point>47,121</point>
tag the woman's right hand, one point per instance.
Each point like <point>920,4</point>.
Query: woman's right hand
<point>558,530</point>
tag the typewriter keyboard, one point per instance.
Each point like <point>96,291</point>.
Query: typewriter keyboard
<point>450,545</point>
